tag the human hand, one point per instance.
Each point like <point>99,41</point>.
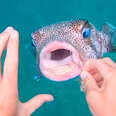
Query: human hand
<point>99,77</point>
<point>9,102</point>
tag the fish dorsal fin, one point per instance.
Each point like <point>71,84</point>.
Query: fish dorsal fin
<point>109,29</point>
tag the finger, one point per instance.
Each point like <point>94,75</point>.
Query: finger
<point>97,77</point>
<point>3,42</point>
<point>4,38</point>
<point>11,62</point>
<point>0,72</point>
<point>35,103</point>
<point>89,82</point>
<point>99,65</point>
<point>91,87</point>
<point>109,61</point>
<point>100,83</point>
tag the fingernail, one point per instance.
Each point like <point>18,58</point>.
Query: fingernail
<point>51,98</point>
<point>14,34</point>
<point>83,75</point>
<point>8,29</point>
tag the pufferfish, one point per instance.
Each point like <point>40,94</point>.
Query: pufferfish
<point>63,48</point>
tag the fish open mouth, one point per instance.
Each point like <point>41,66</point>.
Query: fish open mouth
<point>60,61</point>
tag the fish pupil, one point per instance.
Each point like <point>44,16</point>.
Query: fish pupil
<point>86,32</point>
<point>60,54</point>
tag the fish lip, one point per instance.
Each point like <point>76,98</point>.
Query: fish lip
<point>44,66</point>
<point>63,45</point>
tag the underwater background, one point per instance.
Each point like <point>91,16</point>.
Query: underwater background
<point>27,16</point>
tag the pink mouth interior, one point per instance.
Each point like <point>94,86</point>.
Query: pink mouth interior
<point>59,61</point>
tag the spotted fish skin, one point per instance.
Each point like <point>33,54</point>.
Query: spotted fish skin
<point>75,33</point>
<point>71,32</point>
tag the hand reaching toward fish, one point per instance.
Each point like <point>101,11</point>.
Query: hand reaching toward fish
<point>99,78</point>
<point>9,102</point>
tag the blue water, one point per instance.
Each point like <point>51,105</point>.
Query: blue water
<point>27,16</point>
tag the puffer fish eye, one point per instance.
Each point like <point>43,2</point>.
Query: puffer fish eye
<point>86,32</point>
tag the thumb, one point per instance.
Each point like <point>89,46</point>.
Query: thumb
<point>35,103</point>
